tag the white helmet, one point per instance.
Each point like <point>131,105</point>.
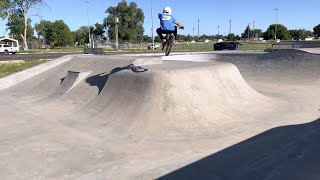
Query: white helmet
<point>167,10</point>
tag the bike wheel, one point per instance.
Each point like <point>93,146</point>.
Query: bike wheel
<point>166,43</point>
<point>169,45</point>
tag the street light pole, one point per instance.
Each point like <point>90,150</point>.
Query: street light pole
<point>254,27</point>
<point>248,31</point>
<point>193,33</point>
<point>117,33</point>
<point>230,21</point>
<point>198,29</point>
<point>275,34</point>
<point>218,32</point>
<point>87,2</point>
<point>152,25</point>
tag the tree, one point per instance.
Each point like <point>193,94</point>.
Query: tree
<point>247,32</point>
<point>98,29</point>
<point>316,31</point>
<point>257,33</point>
<point>4,9</point>
<point>299,33</point>
<point>81,36</point>
<point>61,34</point>
<point>16,26</point>
<point>231,37</point>
<point>44,30</point>
<point>23,6</point>
<point>131,19</point>
<point>282,32</point>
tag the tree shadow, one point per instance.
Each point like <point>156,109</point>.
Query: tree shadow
<point>289,152</point>
<point>101,79</point>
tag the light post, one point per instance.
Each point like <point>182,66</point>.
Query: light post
<point>248,31</point>
<point>254,27</point>
<point>275,34</point>
<point>116,20</point>
<point>198,29</point>
<point>152,25</point>
<point>230,22</point>
<point>87,2</point>
<point>193,33</point>
<point>218,32</point>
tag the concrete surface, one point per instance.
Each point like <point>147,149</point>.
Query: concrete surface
<point>230,116</point>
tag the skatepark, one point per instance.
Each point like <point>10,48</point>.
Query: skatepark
<point>225,115</point>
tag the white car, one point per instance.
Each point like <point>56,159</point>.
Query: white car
<point>155,47</point>
<point>6,49</point>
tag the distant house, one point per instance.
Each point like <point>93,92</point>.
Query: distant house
<point>9,41</point>
<point>309,39</point>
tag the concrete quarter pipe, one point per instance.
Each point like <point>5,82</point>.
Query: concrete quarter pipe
<point>207,116</point>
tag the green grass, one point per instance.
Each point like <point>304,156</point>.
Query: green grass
<point>64,50</point>
<point>203,47</point>
<point>11,68</point>
<point>254,46</point>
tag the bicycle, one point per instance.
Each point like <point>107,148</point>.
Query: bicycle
<point>170,38</point>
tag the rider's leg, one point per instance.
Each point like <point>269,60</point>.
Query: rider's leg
<point>175,32</point>
<point>159,32</point>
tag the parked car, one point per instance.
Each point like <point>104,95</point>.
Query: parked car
<point>6,49</point>
<point>155,47</point>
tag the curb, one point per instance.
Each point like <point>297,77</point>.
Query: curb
<point>13,79</point>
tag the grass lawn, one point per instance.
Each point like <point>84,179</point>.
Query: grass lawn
<point>11,68</point>
<point>64,50</point>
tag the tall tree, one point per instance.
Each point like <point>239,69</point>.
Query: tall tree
<point>4,9</point>
<point>247,32</point>
<point>131,19</point>
<point>61,34</point>
<point>16,26</point>
<point>24,7</point>
<point>81,36</point>
<point>44,30</point>
<point>98,29</point>
<point>316,31</point>
<point>282,32</point>
<point>298,34</point>
<point>231,37</point>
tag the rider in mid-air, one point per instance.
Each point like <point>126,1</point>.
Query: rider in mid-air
<point>167,24</point>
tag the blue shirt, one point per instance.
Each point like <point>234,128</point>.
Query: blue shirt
<point>167,22</point>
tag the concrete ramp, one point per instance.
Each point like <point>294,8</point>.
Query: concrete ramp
<point>177,102</point>
<point>71,80</point>
<point>118,121</point>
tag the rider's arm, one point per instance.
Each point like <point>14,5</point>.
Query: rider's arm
<point>179,24</point>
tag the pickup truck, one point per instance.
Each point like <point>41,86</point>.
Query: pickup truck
<point>6,49</point>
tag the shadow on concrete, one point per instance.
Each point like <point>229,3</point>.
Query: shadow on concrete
<point>101,79</point>
<point>289,152</point>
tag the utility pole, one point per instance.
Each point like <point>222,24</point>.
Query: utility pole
<point>116,20</point>
<point>90,43</point>
<point>198,29</point>
<point>218,32</point>
<point>248,31</point>
<point>254,27</point>
<point>230,21</point>
<point>193,33</point>
<point>275,34</point>
<point>152,25</point>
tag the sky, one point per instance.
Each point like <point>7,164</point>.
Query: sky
<point>294,14</point>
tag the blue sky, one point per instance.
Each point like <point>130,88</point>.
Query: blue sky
<point>294,14</point>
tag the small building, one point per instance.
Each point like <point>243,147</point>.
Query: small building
<point>309,39</point>
<point>9,41</point>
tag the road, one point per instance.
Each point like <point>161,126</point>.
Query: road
<point>27,57</point>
